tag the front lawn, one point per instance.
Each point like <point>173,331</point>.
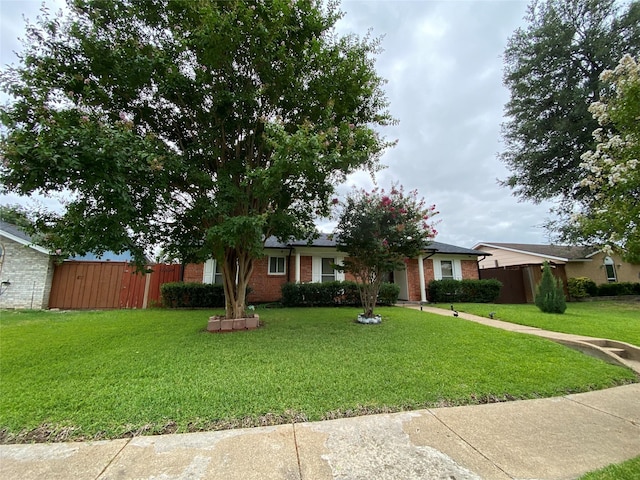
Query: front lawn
<point>110,374</point>
<point>613,320</point>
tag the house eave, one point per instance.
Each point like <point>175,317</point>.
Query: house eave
<point>24,242</point>
<point>524,252</point>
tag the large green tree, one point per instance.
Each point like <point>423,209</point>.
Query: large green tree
<point>552,69</point>
<point>202,125</point>
<point>610,215</point>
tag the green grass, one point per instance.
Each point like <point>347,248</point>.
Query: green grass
<point>113,373</point>
<point>629,470</point>
<point>614,320</point>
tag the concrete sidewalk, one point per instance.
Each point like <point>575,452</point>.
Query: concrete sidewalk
<point>553,438</point>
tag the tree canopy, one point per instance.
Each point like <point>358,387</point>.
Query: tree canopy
<point>205,126</point>
<point>17,215</point>
<point>552,69</point>
<point>610,215</point>
<point>379,230</point>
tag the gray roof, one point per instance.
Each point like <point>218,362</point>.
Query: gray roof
<point>452,249</point>
<point>567,252</point>
<point>328,240</point>
<point>14,231</point>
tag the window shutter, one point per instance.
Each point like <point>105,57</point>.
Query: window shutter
<point>316,269</point>
<point>209,271</point>
<point>340,273</point>
<point>457,270</point>
<point>437,270</point>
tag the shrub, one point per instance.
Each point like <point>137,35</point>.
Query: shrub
<point>464,291</point>
<point>614,289</point>
<point>332,294</point>
<point>192,295</point>
<point>581,287</point>
<point>549,294</point>
<point>388,294</point>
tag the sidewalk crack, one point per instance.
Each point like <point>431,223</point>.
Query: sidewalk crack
<point>627,420</point>
<point>114,458</point>
<point>295,442</point>
<point>472,447</point>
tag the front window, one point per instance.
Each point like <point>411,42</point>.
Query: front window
<point>328,273</point>
<point>610,269</point>
<point>446,267</point>
<point>217,276</point>
<point>277,265</point>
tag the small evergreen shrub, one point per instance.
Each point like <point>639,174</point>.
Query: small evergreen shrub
<point>581,287</point>
<point>192,295</point>
<point>549,294</point>
<point>332,294</point>
<point>463,291</point>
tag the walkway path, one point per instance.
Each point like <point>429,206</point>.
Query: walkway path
<point>608,350</point>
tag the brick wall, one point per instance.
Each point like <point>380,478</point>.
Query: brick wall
<point>265,287</point>
<point>30,273</point>
<point>469,269</point>
<point>193,273</point>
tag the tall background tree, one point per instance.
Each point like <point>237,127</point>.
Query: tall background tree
<point>552,68</point>
<point>378,231</point>
<point>205,126</point>
<point>610,215</point>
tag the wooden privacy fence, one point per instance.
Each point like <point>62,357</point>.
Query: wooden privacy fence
<point>89,285</point>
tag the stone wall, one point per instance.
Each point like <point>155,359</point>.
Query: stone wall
<point>29,274</point>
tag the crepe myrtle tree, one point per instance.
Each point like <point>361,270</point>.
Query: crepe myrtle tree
<point>378,231</point>
<point>610,215</point>
<point>202,126</point>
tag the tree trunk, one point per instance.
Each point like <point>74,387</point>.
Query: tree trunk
<point>369,288</point>
<point>237,268</point>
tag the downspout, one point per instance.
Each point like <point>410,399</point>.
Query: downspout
<point>478,263</point>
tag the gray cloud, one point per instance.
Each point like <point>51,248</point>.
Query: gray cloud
<point>443,63</point>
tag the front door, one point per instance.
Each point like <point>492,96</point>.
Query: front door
<point>400,279</point>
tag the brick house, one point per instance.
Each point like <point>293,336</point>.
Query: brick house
<point>301,261</point>
<point>26,270</point>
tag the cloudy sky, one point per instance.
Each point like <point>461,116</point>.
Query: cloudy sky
<point>443,63</point>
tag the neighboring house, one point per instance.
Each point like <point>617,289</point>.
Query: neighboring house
<point>26,270</point>
<point>304,262</point>
<point>518,266</point>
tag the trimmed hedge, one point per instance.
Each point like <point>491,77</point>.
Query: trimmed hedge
<point>192,295</point>
<point>616,289</point>
<point>331,294</point>
<point>464,291</point>
<point>582,287</point>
